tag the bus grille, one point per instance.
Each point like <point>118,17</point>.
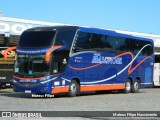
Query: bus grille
<point>27,84</point>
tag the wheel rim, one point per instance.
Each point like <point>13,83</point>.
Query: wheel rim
<point>73,88</point>
<point>136,85</point>
<point>128,86</point>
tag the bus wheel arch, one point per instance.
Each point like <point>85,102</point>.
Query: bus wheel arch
<point>136,85</point>
<point>74,88</point>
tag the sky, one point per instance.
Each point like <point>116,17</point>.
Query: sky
<point>130,15</point>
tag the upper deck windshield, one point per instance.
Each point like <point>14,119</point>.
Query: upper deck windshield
<point>37,39</point>
<point>31,66</point>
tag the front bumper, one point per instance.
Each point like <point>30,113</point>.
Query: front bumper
<point>33,88</point>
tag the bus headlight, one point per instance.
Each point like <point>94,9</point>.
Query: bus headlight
<point>14,81</point>
<point>45,81</point>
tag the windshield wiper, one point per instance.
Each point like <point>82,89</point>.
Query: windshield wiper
<point>35,75</point>
<point>21,74</point>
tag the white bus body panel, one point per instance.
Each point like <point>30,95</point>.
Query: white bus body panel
<point>156,79</point>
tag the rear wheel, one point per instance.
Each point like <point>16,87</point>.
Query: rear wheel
<point>127,88</point>
<point>135,86</point>
<point>74,89</point>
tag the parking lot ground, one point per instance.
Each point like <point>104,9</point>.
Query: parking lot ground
<point>146,100</point>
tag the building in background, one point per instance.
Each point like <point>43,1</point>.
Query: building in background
<point>11,28</point>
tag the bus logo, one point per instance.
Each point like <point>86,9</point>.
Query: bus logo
<point>97,58</point>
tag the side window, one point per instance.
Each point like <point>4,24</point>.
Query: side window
<point>139,46</point>
<point>117,44</point>
<point>89,41</point>
<point>127,44</point>
<point>97,42</point>
<point>148,50</point>
<point>82,42</point>
<point>144,51</point>
<point>134,46</point>
<point>111,42</point>
<point>65,38</point>
<point>157,58</point>
<point>121,44</point>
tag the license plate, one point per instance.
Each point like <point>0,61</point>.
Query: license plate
<point>27,91</point>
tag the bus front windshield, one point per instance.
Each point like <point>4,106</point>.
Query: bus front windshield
<point>31,66</point>
<point>36,39</point>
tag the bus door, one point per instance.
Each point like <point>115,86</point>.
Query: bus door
<point>59,61</point>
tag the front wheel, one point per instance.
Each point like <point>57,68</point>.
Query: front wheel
<point>127,88</point>
<point>135,86</point>
<point>74,89</point>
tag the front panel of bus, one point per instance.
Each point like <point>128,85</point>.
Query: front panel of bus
<point>32,73</point>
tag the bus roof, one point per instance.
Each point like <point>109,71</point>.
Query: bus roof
<point>112,33</point>
<point>90,30</point>
<point>49,28</point>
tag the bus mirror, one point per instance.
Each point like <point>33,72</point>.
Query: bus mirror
<point>60,42</point>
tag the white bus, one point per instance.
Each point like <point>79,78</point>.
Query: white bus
<point>156,79</point>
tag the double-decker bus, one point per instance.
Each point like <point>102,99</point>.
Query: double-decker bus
<point>74,59</point>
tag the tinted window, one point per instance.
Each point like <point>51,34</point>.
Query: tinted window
<point>89,41</point>
<point>117,44</point>
<point>82,42</point>
<point>65,38</point>
<point>97,41</point>
<point>111,42</point>
<point>148,50</point>
<point>36,39</point>
<point>106,43</point>
<point>137,45</point>
<point>157,58</point>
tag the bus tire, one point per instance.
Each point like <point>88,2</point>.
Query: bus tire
<point>127,88</point>
<point>74,89</point>
<point>135,86</point>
